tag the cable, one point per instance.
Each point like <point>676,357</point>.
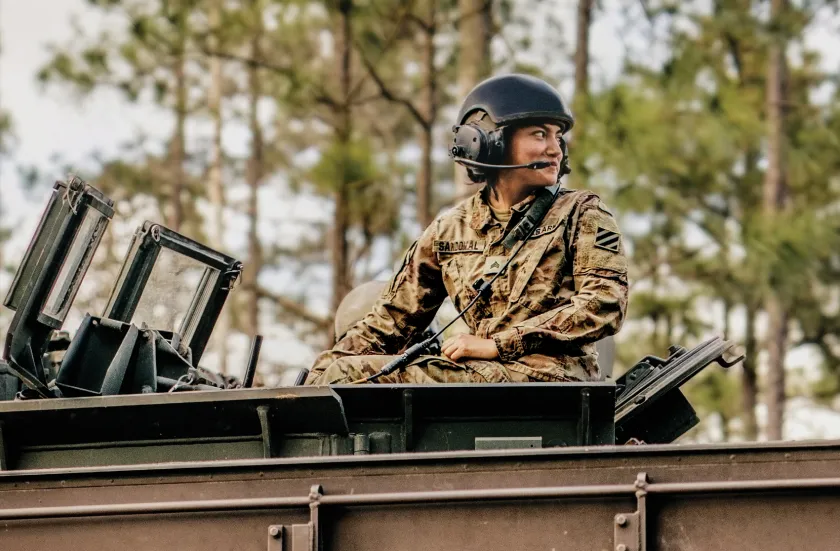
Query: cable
<point>412,353</point>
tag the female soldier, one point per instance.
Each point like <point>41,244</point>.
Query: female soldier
<point>564,288</point>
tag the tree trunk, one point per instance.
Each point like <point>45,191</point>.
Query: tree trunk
<point>215,184</point>
<point>749,387</point>
<point>727,312</point>
<point>474,63</point>
<point>749,382</point>
<point>428,108</point>
<point>776,347</point>
<point>775,200</point>
<point>256,170</point>
<point>178,145</point>
<point>343,129</point>
<point>584,22</point>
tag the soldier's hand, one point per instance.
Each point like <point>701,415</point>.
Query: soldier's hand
<point>469,346</point>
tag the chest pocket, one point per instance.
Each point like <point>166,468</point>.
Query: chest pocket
<point>458,279</point>
<point>541,270</point>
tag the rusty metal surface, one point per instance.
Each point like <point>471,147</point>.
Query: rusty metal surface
<point>420,472</point>
<point>699,498</point>
<point>580,524</point>
<point>694,455</point>
<point>217,531</point>
<point>759,521</point>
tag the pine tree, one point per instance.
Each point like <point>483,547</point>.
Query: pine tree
<point>703,178</point>
<point>776,198</point>
<point>146,57</point>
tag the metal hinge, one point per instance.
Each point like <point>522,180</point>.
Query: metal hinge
<point>630,528</point>
<point>296,537</point>
<point>627,532</point>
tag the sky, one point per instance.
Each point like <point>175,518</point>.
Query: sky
<point>49,123</point>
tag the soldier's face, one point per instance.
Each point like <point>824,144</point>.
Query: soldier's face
<point>538,142</point>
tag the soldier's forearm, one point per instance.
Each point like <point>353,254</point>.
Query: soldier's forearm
<point>589,316</point>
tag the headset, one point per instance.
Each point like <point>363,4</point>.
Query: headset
<point>477,149</point>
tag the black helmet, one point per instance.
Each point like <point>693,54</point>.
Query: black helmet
<point>478,140</point>
<point>511,98</point>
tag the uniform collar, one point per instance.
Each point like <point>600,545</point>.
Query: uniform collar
<point>481,215</point>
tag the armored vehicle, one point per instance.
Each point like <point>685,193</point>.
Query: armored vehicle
<point>116,436</point>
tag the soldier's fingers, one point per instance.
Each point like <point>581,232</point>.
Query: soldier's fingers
<point>447,347</point>
<point>456,354</point>
<point>452,352</point>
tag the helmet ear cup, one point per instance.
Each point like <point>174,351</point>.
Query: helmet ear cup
<point>471,142</point>
<point>468,141</point>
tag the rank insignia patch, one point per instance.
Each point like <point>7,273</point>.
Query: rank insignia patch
<point>493,265</point>
<point>607,240</point>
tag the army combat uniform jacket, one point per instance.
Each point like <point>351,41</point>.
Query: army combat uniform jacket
<point>565,289</point>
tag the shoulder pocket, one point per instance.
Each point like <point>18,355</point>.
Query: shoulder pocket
<point>600,245</point>
<point>399,276</point>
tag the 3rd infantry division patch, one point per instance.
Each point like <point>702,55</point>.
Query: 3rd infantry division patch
<point>607,240</point>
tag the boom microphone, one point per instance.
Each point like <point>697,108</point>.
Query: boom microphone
<point>533,166</point>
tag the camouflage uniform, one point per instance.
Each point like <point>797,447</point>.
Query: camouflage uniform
<point>566,289</point>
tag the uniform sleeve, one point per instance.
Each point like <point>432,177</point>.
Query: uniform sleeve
<point>407,306</point>
<point>598,307</point>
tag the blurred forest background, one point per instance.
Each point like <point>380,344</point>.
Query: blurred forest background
<point>307,138</point>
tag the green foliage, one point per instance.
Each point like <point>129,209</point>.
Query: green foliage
<point>682,146</point>
<point>136,56</point>
<point>352,163</point>
<point>372,205</point>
